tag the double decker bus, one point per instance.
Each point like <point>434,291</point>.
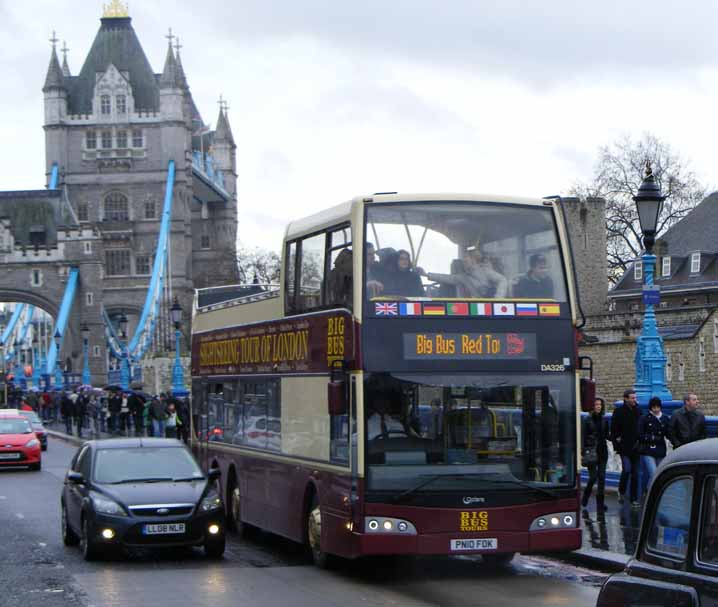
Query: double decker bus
<point>411,386</point>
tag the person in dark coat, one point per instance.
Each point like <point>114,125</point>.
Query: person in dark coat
<point>80,411</point>
<point>653,430</point>
<point>595,436</point>
<point>67,409</point>
<point>399,278</point>
<point>136,405</point>
<point>114,406</point>
<point>687,424</point>
<point>624,435</point>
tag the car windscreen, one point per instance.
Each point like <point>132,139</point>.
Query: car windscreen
<point>14,426</point>
<point>144,464</point>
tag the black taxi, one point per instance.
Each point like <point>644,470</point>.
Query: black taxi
<point>676,559</point>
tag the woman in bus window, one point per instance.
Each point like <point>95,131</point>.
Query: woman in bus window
<point>400,278</point>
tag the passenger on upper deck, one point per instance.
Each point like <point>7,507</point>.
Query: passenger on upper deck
<point>339,281</point>
<point>374,284</point>
<point>476,278</point>
<point>398,276</point>
<point>536,282</point>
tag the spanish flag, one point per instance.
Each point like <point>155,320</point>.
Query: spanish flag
<point>549,309</point>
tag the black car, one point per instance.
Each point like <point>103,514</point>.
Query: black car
<point>140,492</point>
<point>676,559</point>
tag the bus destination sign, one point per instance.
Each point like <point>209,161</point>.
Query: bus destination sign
<point>469,346</point>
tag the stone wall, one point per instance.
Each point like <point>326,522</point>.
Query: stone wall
<point>157,373</point>
<point>692,362</point>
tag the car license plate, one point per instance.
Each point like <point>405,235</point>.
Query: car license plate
<point>484,543</point>
<point>9,456</point>
<point>163,529</point>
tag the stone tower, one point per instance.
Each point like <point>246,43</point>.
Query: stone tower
<point>586,222</point>
<point>112,129</point>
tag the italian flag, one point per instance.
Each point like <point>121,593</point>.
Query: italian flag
<point>480,309</point>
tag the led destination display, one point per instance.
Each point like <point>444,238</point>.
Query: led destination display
<point>468,346</point>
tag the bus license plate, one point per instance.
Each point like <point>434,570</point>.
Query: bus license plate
<point>163,529</point>
<point>484,543</point>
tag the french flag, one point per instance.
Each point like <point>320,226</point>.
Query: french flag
<point>526,309</point>
<point>410,309</point>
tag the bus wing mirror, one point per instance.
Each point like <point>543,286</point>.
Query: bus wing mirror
<point>337,396</point>
<point>588,393</point>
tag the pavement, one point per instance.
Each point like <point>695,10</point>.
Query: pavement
<point>609,540</point>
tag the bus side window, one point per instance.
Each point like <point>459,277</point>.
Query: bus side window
<point>290,277</point>
<point>311,272</point>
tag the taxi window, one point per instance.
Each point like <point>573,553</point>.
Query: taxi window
<point>668,533</point>
<point>708,543</point>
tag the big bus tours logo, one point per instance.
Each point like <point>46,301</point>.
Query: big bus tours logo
<point>515,344</point>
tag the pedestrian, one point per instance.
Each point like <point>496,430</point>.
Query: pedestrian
<point>173,421</point>
<point>146,419</point>
<point>80,412</point>
<point>158,415</point>
<point>31,400</point>
<point>114,406</point>
<point>66,410</point>
<point>136,405</point>
<point>653,430</point>
<point>687,424</point>
<point>124,416</point>
<point>624,435</point>
<point>594,449</point>
<point>93,414</point>
<point>183,412</point>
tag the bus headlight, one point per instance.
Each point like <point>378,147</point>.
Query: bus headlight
<point>386,524</point>
<point>559,520</point>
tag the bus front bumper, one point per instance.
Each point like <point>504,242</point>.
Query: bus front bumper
<point>476,543</point>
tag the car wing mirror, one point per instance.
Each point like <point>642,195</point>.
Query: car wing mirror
<point>75,477</point>
<point>213,474</point>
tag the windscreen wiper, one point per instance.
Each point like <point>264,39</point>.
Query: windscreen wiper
<point>430,479</point>
<point>188,479</point>
<point>144,480</point>
<point>520,483</point>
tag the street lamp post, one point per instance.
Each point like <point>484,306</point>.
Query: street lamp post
<point>3,320</point>
<point>85,332</point>
<point>125,362</point>
<point>178,388</point>
<point>35,358</point>
<point>18,364</point>
<point>57,338</point>
<point>650,359</point>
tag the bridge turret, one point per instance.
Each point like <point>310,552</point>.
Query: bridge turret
<point>55,90</point>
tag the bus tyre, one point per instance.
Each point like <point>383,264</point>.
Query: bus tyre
<point>314,537</point>
<point>234,516</point>
<point>496,561</point>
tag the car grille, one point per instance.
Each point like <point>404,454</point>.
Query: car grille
<point>162,510</point>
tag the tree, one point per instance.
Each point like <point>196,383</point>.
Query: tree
<point>258,263</point>
<point>619,172</point>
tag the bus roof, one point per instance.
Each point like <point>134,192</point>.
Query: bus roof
<point>342,212</point>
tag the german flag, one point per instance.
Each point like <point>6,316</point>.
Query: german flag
<point>549,309</point>
<point>434,310</point>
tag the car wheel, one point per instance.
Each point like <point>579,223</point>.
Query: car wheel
<point>214,548</point>
<point>87,544</point>
<point>314,537</point>
<point>69,537</point>
<point>37,466</point>
<point>496,561</point>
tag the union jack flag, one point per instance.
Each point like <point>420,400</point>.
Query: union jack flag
<point>386,309</point>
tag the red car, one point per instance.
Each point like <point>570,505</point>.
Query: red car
<point>18,444</point>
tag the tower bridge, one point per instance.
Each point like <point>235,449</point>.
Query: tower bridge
<point>140,206</point>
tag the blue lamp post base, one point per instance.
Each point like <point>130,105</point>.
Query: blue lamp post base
<point>178,388</point>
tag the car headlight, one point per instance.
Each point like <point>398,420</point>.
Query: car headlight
<point>33,442</point>
<point>211,501</point>
<point>105,505</point>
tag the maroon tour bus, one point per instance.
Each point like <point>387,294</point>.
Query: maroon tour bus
<point>410,387</point>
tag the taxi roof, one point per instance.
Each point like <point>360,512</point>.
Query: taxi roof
<point>702,451</point>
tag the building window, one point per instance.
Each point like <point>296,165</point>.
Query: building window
<point>695,263</point>
<point>89,299</point>
<point>715,336</point>
<point>669,367</point>
<point>638,270</point>
<point>91,140</point>
<point>681,367</point>
<point>116,207</point>
<point>88,247</point>
<point>117,262</point>
<point>142,264</point>
<point>96,351</point>
<point>702,355</point>
<point>121,139</point>
<point>666,269</point>
<point>106,140</point>
<point>121,101</point>
<point>150,209</point>
<point>82,212</point>
<point>204,240</point>
<point>105,107</point>
<point>36,278</point>
<point>137,139</point>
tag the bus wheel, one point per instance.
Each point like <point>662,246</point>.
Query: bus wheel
<point>235,510</point>
<point>314,536</point>
<point>496,561</point>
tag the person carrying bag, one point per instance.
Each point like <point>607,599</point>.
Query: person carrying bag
<point>594,454</point>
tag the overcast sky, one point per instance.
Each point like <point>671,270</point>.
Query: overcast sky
<point>330,99</point>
